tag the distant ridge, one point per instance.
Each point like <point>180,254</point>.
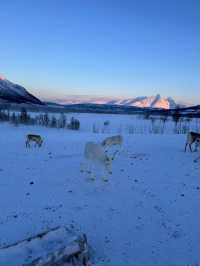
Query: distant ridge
<point>143,101</point>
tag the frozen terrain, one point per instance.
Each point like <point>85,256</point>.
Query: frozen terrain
<point>147,214</point>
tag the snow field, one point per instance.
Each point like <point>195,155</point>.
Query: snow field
<point>146,214</point>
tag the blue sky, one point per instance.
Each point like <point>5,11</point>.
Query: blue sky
<point>102,47</point>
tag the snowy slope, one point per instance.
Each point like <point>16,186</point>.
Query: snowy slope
<point>151,101</point>
<point>10,92</point>
<point>147,214</point>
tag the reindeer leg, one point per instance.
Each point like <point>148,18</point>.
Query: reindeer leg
<point>186,146</point>
<point>190,145</point>
<point>92,176</point>
<point>107,171</point>
<point>196,145</point>
<point>120,148</point>
<point>90,172</point>
<point>82,167</point>
<point>103,172</point>
<point>88,168</point>
<point>105,177</point>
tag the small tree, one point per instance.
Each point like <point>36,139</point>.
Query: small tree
<point>74,124</point>
<point>164,120</point>
<point>53,122</point>
<point>8,113</point>
<point>62,121</point>
<point>14,119</point>
<point>147,115</point>
<point>45,120</point>
<point>176,117</point>
<point>24,117</point>
<point>3,115</point>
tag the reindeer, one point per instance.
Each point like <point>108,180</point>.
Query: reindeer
<point>95,152</point>
<point>34,138</point>
<point>192,137</point>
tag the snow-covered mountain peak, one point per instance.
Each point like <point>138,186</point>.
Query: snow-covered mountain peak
<point>156,101</point>
<point>11,92</point>
<point>2,77</point>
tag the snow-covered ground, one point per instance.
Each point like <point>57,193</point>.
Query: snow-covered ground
<point>147,214</point>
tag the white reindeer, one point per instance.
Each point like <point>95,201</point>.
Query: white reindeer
<point>95,153</point>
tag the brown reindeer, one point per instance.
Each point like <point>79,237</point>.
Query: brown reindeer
<point>34,138</point>
<point>192,137</point>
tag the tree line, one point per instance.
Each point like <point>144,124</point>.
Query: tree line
<point>24,118</point>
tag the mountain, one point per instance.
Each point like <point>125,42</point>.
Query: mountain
<point>144,101</point>
<point>14,93</point>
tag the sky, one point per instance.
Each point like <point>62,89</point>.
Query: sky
<point>123,48</point>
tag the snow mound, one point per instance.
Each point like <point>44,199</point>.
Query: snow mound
<point>50,247</point>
